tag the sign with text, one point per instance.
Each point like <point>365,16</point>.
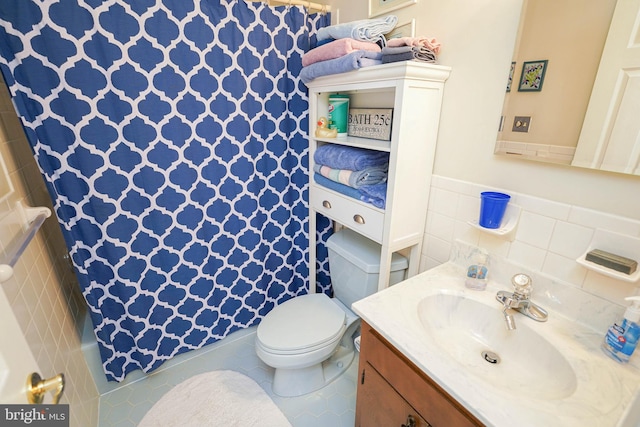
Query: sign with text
<point>374,123</point>
<point>34,415</point>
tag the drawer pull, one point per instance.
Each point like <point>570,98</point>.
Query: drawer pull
<point>358,218</point>
<point>326,204</point>
<point>411,422</point>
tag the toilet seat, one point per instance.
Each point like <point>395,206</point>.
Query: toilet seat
<point>302,324</point>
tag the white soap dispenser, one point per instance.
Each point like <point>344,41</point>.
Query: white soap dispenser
<point>622,337</point>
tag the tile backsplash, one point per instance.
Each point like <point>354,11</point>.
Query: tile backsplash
<point>549,237</point>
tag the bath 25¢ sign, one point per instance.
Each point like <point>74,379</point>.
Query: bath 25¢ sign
<point>374,123</point>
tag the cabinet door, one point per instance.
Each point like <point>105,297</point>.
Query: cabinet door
<point>407,380</point>
<point>378,404</point>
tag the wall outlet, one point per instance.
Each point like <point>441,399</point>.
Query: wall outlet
<point>521,123</point>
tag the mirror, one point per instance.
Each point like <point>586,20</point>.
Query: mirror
<point>557,83</point>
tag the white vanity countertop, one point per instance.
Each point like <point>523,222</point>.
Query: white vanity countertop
<point>604,388</point>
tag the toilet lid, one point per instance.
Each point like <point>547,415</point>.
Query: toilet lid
<point>302,322</point>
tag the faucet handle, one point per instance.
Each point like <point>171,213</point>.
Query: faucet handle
<point>522,284</point>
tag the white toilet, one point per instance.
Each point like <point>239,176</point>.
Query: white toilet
<point>309,339</point>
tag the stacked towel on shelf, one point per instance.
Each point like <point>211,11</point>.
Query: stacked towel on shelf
<point>347,47</point>
<point>350,62</point>
<point>336,186</point>
<point>374,194</point>
<point>411,48</point>
<point>430,43</point>
<point>336,49</point>
<point>344,157</point>
<point>371,30</point>
<point>354,172</point>
<point>407,53</point>
<point>355,179</point>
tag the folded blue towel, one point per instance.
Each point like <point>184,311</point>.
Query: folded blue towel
<point>343,157</point>
<point>336,186</point>
<point>371,30</point>
<point>355,179</point>
<point>349,62</point>
<point>374,194</point>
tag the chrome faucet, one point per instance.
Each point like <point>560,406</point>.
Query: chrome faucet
<point>519,300</point>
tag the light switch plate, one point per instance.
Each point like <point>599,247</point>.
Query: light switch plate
<point>521,123</point>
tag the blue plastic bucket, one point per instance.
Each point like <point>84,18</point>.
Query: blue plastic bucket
<point>492,208</point>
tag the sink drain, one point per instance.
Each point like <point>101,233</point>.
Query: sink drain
<point>491,357</point>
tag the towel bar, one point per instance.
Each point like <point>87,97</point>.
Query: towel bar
<point>32,218</point>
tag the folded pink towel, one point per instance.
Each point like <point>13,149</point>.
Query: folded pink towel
<point>337,49</point>
<point>429,43</point>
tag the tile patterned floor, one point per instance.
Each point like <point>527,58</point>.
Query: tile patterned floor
<point>333,406</point>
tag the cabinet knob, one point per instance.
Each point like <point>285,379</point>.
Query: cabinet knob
<point>358,218</point>
<point>326,204</point>
<point>411,422</point>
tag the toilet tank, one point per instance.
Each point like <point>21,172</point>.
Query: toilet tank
<point>354,265</point>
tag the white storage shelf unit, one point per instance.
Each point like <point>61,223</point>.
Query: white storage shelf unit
<point>414,91</point>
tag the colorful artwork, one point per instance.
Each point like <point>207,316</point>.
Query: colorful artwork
<point>532,76</point>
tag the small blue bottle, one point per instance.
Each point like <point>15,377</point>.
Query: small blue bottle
<point>622,337</point>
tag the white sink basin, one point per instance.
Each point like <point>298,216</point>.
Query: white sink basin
<point>551,374</point>
<point>474,334</point>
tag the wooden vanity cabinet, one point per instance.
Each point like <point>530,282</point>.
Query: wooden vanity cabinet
<point>393,392</point>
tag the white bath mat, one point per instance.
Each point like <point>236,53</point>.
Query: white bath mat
<point>218,398</point>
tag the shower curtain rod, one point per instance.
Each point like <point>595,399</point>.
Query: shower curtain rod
<point>308,4</point>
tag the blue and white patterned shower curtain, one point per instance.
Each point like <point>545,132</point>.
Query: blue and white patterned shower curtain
<point>172,136</point>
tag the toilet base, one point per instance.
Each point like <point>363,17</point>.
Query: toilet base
<point>298,382</point>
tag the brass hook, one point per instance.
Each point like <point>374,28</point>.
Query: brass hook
<point>37,387</point>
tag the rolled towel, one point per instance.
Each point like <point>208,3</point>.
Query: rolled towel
<point>407,53</point>
<point>353,61</point>
<point>336,49</point>
<point>336,186</point>
<point>355,179</point>
<point>351,158</point>
<point>374,194</point>
<point>430,43</point>
<point>370,30</point>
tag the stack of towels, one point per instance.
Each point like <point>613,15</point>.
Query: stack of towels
<point>354,172</point>
<point>410,48</point>
<point>346,47</point>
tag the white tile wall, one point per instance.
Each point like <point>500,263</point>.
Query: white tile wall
<point>549,238</point>
<point>43,291</point>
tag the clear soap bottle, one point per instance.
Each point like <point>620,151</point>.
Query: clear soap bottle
<point>622,337</point>
<point>477,273</point>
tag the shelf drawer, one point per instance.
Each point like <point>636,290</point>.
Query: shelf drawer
<point>347,211</point>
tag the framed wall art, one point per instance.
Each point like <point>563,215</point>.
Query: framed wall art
<point>532,76</point>
<point>380,7</point>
